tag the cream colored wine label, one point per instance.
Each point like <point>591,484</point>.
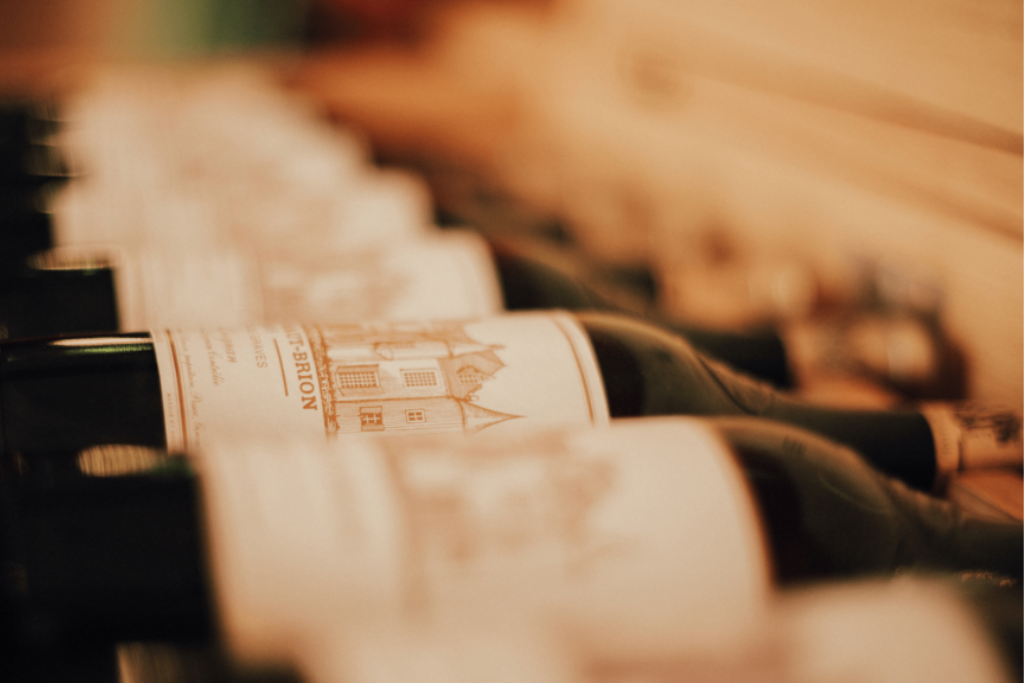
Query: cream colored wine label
<point>634,540</point>
<point>158,288</point>
<point>494,374</point>
<point>450,275</point>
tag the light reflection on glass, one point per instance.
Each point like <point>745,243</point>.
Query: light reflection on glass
<point>120,344</point>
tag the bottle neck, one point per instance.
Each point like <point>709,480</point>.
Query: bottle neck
<point>897,442</point>
<point>759,352</point>
<point>529,284</point>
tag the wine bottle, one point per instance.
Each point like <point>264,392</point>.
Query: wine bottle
<point>501,373</point>
<point>622,533</point>
<point>66,539</point>
<point>93,289</point>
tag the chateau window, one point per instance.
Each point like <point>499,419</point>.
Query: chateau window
<point>415,416</point>
<point>358,379</point>
<point>371,419</point>
<point>471,376</point>
<point>419,378</point>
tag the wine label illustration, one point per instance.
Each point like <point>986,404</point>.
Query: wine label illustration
<point>492,374</point>
<point>606,534</point>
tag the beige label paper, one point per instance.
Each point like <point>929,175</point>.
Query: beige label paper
<point>164,288</point>
<point>494,374</point>
<point>446,276</point>
<point>637,539</point>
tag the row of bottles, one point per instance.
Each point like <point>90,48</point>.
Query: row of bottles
<point>902,351</point>
<point>74,290</point>
<point>407,552</point>
<point>227,289</point>
<point>498,373</point>
<point>637,544</point>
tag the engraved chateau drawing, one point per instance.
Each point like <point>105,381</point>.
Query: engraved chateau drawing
<point>403,377</point>
<point>528,503</point>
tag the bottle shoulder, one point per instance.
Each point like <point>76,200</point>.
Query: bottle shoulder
<point>651,371</point>
<point>529,283</point>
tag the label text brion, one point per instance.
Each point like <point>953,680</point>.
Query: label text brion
<point>304,367</point>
